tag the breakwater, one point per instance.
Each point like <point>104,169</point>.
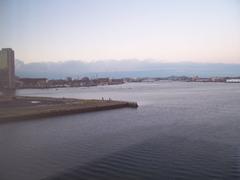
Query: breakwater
<point>21,108</point>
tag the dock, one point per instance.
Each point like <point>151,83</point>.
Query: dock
<point>23,107</point>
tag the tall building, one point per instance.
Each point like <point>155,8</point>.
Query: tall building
<point>7,68</point>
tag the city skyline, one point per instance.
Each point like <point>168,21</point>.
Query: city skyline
<point>166,31</point>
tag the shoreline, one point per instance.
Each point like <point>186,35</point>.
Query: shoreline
<point>30,108</point>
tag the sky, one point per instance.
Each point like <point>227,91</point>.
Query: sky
<point>201,31</point>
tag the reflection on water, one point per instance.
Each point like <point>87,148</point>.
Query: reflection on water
<point>180,131</point>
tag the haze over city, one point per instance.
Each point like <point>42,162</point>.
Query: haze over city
<point>205,31</point>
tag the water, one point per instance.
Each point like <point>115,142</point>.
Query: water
<point>180,131</point>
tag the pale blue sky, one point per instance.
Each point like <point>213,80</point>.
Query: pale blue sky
<point>168,31</point>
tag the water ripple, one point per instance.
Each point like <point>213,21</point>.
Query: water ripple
<point>163,158</point>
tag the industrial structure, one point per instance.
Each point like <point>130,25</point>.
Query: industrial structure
<point>7,69</point>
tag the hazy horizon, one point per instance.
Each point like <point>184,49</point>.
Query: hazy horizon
<point>123,68</point>
<point>206,31</point>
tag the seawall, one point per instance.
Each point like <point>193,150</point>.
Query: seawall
<point>23,108</point>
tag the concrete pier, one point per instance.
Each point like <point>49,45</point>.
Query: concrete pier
<point>22,108</point>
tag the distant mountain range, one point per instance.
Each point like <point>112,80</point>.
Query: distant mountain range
<point>122,68</point>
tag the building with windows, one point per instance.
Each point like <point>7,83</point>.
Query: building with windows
<point>7,68</point>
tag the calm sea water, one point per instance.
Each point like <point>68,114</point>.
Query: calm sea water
<point>180,131</point>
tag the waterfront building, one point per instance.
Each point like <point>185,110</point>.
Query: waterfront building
<point>233,80</point>
<point>116,81</point>
<point>7,68</point>
<point>101,81</point>
<point>32,83</point>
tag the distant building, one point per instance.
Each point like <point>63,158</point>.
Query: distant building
<point>57,83</point>
<point>7,68</point>
<point>116,81</point>
<point>218,79</point>
<point>233,80</point>
<point>101,81</point>
<point>32,83</point>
